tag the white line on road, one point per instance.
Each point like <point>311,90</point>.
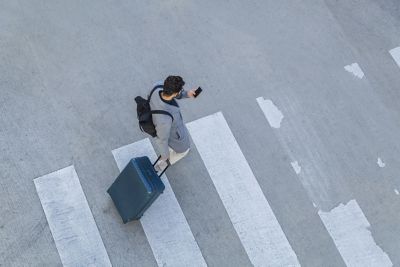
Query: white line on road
<point>395,52</point>
<point>355,70</point>
<point>381,163</point>
<point>70,220</point>
<point>296,167</point>
<point>349,230</point>
<point>252,217</point>
<point>164,223</point>
<point>271,112</point>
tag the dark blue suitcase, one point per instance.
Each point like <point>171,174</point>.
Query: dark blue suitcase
<point>136,188</point>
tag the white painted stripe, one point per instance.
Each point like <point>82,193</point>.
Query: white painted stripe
<point>70,220</point>
<point>246,205</point>
<point>355,70</point>
<point>296,167</point>
<point>164,223</point>
<point>271,112</point>
<point>395,52</point>
<point>381,163</point>
<point>349,230</point>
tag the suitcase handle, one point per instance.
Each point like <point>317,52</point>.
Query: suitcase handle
<point>168,164</point>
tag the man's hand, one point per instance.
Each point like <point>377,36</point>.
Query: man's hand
<point>191,93</point>
<point>161,164</point>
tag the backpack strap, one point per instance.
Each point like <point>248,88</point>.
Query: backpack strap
<point>162,112</point>
<point>155,88</point>
<point>159,111</point>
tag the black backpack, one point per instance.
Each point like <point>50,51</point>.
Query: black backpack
<point>144,113</point>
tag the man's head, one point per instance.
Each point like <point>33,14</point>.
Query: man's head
<point>173,85</point>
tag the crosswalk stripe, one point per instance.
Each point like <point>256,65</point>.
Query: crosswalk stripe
<point>349,230</point>
<point>395,52</point>
<point>246,205</point>
<point>70,220</point>
<point>164,223</point>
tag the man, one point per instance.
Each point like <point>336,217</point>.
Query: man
<point>172,135</point>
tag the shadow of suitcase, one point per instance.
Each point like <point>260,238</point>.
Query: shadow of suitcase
<point>136,188</point>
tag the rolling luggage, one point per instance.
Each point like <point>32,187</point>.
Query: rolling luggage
<point>136,188</point>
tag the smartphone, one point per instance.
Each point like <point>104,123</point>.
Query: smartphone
<point>197,92</point>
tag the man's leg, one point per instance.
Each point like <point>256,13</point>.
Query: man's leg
<point>175,157</point>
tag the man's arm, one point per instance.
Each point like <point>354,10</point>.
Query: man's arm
<point>187,94</point>
<point>184,94</point>
<point>163,128</point>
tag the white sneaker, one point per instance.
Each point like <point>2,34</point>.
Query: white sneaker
<point>175,157</point>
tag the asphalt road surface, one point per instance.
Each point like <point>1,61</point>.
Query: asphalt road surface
<point>295,157</point>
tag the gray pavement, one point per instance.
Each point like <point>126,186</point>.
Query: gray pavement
<point>70,70</point>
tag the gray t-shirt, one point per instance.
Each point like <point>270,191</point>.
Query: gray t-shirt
<point>173,134</point>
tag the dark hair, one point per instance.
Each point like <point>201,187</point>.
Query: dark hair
<point>173,84</point>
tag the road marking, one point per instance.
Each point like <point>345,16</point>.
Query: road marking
<point>355,70</point>
<point>70,220</point>
<point>380,163</point>
<point>164,223</point>
<point>395,52</point>
<point>396,191</point>
<point>246,205</point>
<point>271,112</point>
<point>296,167</point>
<point>349,230</point>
